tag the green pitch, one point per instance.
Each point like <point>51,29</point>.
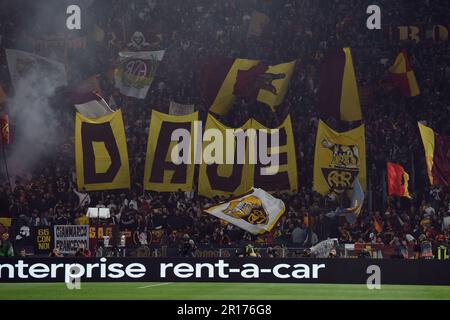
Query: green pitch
<point>217,291</point>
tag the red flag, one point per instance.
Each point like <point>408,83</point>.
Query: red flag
<point>4,128</point>
<point>397,180</point>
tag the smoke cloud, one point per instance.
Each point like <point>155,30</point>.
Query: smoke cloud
<point>37,126</point>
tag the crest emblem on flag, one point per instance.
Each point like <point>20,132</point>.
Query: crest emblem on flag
<point>343,167</point>
<point>135,74</point>
<point>339,158</point>
<point>249,209</point>
<point>256,212</point>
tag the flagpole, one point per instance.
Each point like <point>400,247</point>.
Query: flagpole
<point>413,174</point>
<point>384,178</point>
<point>6,166</point>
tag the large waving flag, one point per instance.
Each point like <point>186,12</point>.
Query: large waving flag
<point>403,77</point>
<point>397,180</point>
<point>338,91</point>
<point>224,80</point>
<point>437,155</point>
<point>256,211</point>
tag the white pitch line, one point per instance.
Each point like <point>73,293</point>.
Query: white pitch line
<point>155,285</point>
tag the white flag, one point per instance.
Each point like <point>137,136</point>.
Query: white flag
<point>24,65</point>
<point>255,212</point>
<point>180,109</point>
<point>136,71</point>
<point>323,248</point>
<point>95,107</point>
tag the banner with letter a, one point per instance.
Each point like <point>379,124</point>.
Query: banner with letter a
<point>338,159</point>
<point>161,172</point>
<point>220,173</point>
<point>269,176</point>
<point>101,154</point>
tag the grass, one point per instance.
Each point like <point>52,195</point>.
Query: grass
<point>217,291</point>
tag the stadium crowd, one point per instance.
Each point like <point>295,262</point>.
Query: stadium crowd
<point>192,32</point>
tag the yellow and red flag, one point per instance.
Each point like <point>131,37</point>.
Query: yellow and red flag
<point>437,155</point>
<point>397,180</point>
<point>403,77</point>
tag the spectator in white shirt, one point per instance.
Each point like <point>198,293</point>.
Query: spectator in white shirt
<point>83,197</point>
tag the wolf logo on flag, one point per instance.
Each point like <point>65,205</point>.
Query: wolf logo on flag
<point>249,209</point>
<point>343,156</point>
<point>344,164</point>
<point>339,158</point>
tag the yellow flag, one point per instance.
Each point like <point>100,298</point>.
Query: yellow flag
<point>285,178</point>
<point>169,165</point>
<point>276,97</point>
<point>101,155</point>
<point>250,80</point>
<point>223,178</point>
<point>428,140</point>
<point>225,96</point>
<point>338,159</point>
<point>350,105</point>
